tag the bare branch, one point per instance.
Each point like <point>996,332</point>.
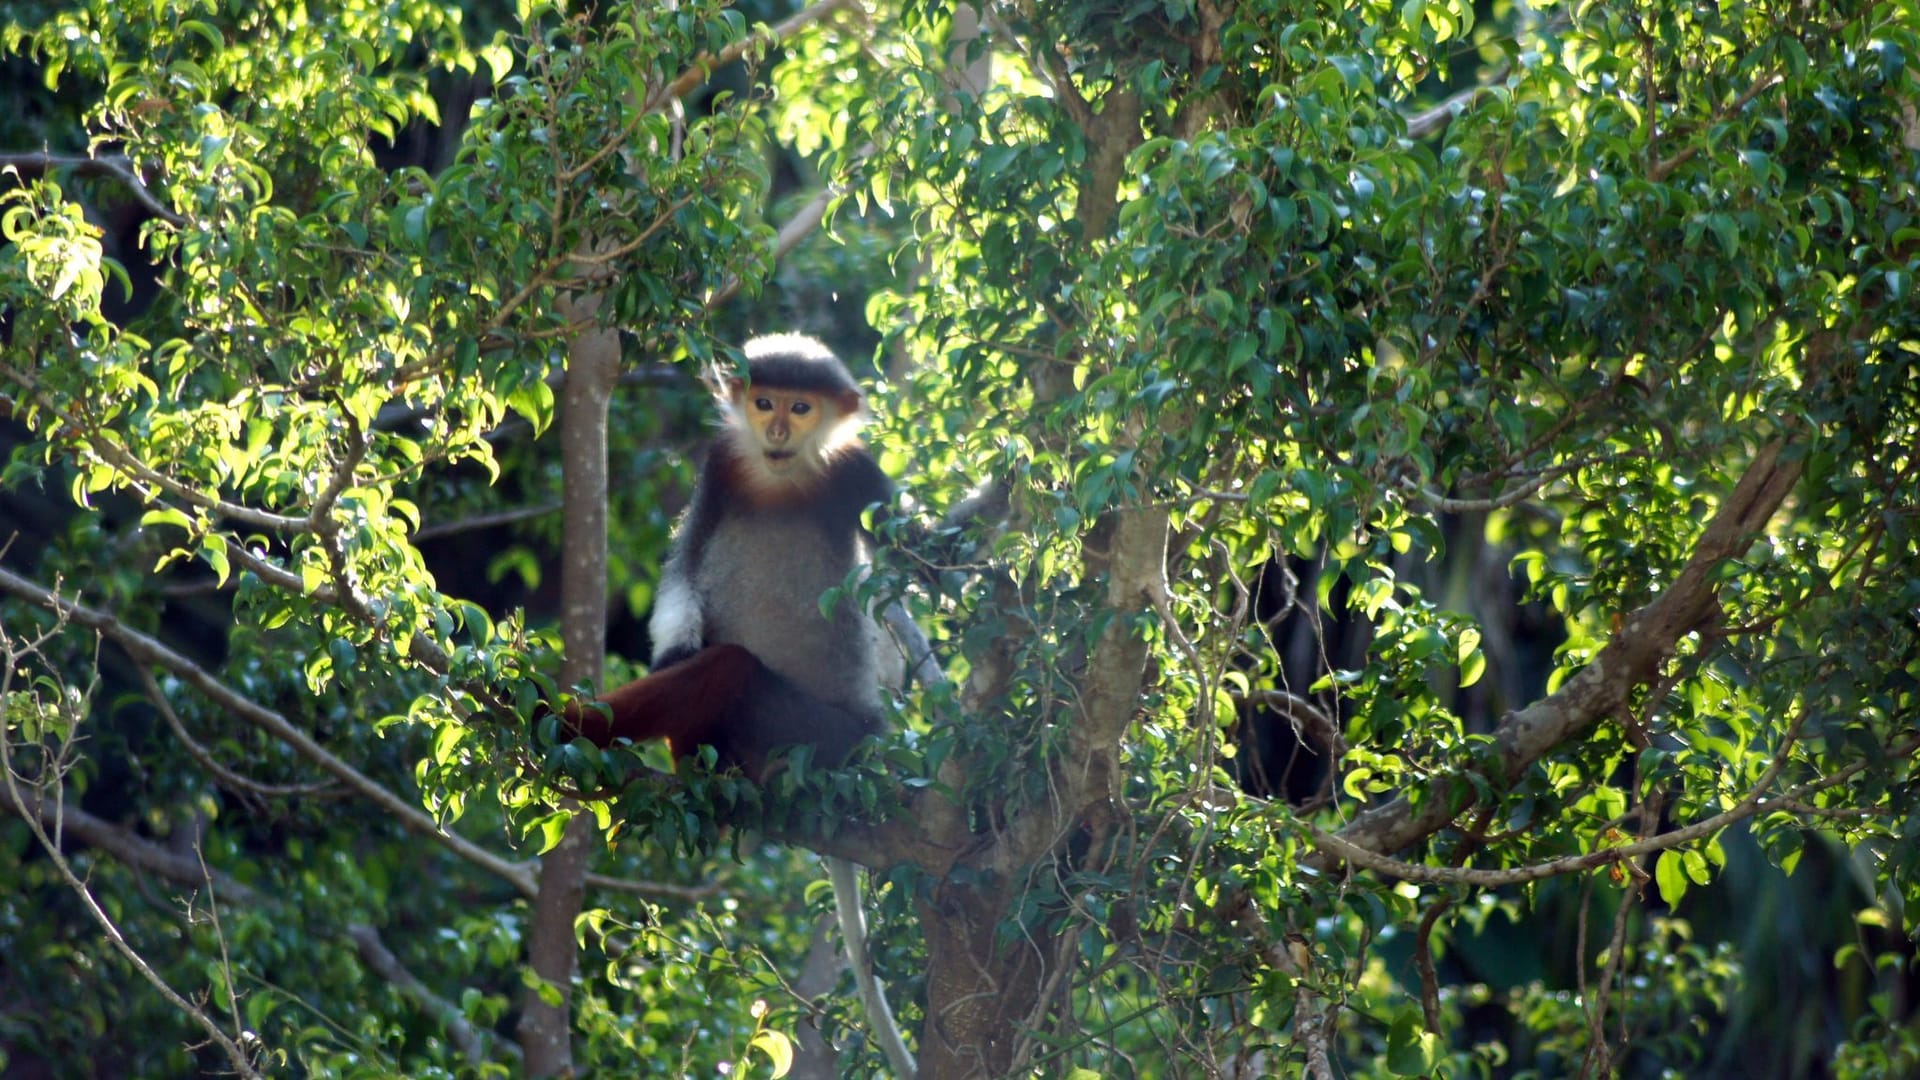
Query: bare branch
<point>1312,1013</point>
<point>141,854</point>
<point>460,1031</point>
<point>1754,804</point>
<point>40,817</point>
<point>1665,167</point>
<point>1428,121</point>
<point>1448,505</point>
<point>132,850</point>
<point>485,521</point>
<point>222,775</point>
<point>1646,638</point>
<point>142,477</point>
<point>706,64</point>
<point>115,166</point>
<point>147,650</point>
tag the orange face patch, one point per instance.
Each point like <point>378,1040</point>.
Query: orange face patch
<point>783,422</point>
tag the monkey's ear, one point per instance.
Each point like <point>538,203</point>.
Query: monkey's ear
<point>848,401</point>
<point>735,387</point>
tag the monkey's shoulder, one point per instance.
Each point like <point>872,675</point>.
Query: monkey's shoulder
<point>853,482</point>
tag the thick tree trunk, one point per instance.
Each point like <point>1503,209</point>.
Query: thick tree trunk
<point>981,993</point>
<point>545,1029</point>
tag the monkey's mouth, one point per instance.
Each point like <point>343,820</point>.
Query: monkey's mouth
<point>779,455</point>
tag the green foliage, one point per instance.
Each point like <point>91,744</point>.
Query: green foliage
<point>1439,408</point>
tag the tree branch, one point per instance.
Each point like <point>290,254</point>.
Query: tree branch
<point>706,64</point>
<point>115,166</point>
<point>460,1031</point>
<point>45,822</point>
<point>798,227</point>
<point>1752,805</point>
<point>131,850</point>
<point>1647,637</point>
<point>147,650</point>
<point>222,775</point>
<point>145,478</point>
<point>1312,1012</point>
<point>141,854</point>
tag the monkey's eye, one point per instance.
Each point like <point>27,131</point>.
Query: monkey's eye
<point>802,408</point>
<point>763,404</point>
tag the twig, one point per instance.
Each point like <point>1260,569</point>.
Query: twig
<point>484,521</point>
<point>1645,641</point>
<point>1427,121</point>
<point>1312,1013</point>
<point>1665,167</point>
<point>142,477</point>
<point>35,820</point>
<point>798,228</point>
<point>1748,807</point>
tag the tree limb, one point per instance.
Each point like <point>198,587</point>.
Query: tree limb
<point>115,166</point>
<point>1752,805</point>
<point>131,850</point>
<point>460,1031</point>
<point>1646,638</point>
<point>46,822</point>
<point>147,650</point>
<point>706,64</point>
<point>221,774</point>
<point>141,854</point>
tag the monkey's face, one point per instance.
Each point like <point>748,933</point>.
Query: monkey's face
<point>787,425</point>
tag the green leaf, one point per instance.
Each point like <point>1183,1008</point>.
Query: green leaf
<point>777,1047</point>
<point>1471,668</point>
<point>1695,865</point>
<point>214,550</point>
<point>534,402</point>
<point>1669,873</point>
<point>165,515</point>
<point>1424,642</point>
<point>1411,1049</point>
<point>552,828</point>
<point>1355,781</point>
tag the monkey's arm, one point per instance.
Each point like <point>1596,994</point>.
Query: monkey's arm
<point>677,627</point>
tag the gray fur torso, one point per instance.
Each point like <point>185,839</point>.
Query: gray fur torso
<point>759,579</point>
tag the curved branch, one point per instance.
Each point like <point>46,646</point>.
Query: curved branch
<point>141,854</point>
<point>1646,638</point>
<point>40,818</point>
<point>1751,806</point>
<point>1313,1014</point>
<point>115,166</point>
<point>460,1031</point>
<point>130,849</point>
<point>147,650</point>
<point>143,477</point>
<point>798,227</point>
<point>706,64</point>
<point>222,775</point>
